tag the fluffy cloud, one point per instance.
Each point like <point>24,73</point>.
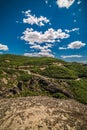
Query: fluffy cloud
<point>73,45</point>
<point>36,40</point>
<point>49,36</point>
<point>39,54</point>
<point>3,47</point>
<point>42,48</point>
<point>42,42</point>
<point>71,56</point>
<point>76,45</point>
<point>32,19</point>
<point>65,3</point>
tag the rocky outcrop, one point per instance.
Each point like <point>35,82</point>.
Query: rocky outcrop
<point>20,85</point>
<point>53,87</point>
<point>36,84</point>
<point>14,90</point>
<point>42,113</point>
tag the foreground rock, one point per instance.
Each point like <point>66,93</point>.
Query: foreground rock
<point>42,113</point>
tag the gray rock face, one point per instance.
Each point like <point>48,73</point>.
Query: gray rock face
<point>42,113</point>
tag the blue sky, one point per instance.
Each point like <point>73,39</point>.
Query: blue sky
<point>53,28</point>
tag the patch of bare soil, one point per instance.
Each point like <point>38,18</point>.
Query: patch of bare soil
<point>42,113</point>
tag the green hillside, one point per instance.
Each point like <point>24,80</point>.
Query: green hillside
<point>26,76</point>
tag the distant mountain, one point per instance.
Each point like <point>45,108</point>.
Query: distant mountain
<point>22,76</point>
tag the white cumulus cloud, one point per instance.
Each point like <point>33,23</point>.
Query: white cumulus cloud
<point>3,47</point>
<point>32,19</point>
<point>39,54</point>
<point>71,56</point>
<point>49,36</point>
<point>42,48</point>
<point>73,45</point>
<point>76,45</point>
<point>65,3</point>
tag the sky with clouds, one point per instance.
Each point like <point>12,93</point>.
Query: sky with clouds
<point>51,28</point>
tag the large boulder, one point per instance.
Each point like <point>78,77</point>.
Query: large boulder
<point>42,113</point>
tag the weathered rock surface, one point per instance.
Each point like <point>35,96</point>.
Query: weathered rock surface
<point>42,113</point>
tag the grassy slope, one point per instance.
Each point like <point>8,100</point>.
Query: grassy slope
<point>69,76</point>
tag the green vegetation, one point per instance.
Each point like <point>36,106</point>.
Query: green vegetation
<point>71,77</point>
<point>14,60</point>
<point>79,89</point>
<point>59,95</point>
<point>59,72</point>
<point>79,68</point>
<point>24,77</point>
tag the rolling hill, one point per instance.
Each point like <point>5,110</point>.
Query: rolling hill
<point>22,76</point>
